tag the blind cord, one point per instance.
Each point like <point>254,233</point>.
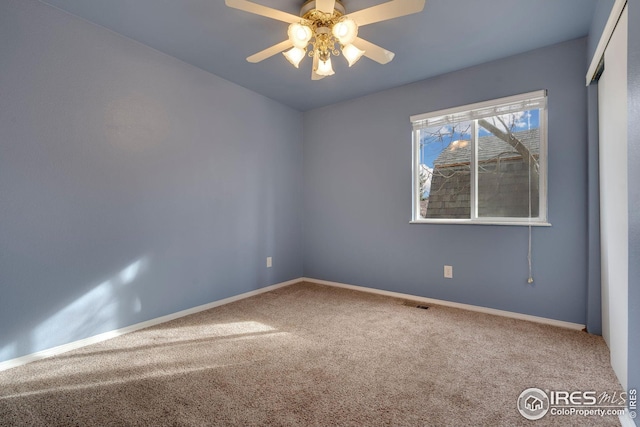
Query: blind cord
<point>530,279</point>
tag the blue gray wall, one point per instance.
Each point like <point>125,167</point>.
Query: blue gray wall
<point>357,169</point>
<point>132,185</point>
<point>633,70</point>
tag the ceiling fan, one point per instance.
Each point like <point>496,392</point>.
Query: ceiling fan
<point>323,26</point>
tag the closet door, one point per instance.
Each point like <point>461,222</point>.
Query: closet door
<point>612,111</point>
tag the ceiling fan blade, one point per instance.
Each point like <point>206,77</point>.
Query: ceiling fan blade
<point>372,51</point>
<point>325,6</point>
<point>259,9</point>
<point>314,67</point>
<point>390,10</point>
<point>270,51</point>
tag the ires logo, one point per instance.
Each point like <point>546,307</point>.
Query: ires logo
<point>535,403</point>
<point>574,398</point>
<point>586,398</point>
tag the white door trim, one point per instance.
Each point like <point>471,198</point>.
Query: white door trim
<point>614,17</point>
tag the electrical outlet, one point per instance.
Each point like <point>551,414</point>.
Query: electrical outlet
<point>448,272</point>
<point>269,262</point>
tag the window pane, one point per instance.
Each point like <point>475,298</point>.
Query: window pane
<point>508,165</point>
<point>445,174</point>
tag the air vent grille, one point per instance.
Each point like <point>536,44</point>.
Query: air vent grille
<point>415,304</point>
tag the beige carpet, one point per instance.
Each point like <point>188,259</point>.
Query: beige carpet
<point>312,355</point>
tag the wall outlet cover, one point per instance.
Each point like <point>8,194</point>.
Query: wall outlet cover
<point>448,272</point>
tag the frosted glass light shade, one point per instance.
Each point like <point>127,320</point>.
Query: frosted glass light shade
<point>325,68</point>
<point>316,59</point>
<point>295,55</point>
<point>352,54</point>
<point>345,31</point>
<point>299,35</point>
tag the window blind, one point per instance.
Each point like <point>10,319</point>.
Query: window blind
<point>527,101</point>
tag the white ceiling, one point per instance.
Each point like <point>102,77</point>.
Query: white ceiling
<point>448,35</point>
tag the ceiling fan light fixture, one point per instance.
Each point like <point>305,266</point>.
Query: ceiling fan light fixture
<point>345,31</point>
<point>295,55</point>
<point>352,54</point>
<point>299,34</point>
<point>325,68</point>
<point>314,68</point>
<point>323,29</point>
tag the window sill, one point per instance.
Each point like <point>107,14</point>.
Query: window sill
<point>478,222</point>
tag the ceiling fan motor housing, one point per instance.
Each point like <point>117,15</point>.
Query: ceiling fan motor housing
<point>311,5</point>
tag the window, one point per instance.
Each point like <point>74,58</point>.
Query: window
<point>483,163</point>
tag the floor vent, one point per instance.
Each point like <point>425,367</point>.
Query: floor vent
<point>415,304</point>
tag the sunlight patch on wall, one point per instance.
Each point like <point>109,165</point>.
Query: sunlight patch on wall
<point>129,273</point>
<point>8,351</point>
<point>94,312</point>
<point>95,309</point>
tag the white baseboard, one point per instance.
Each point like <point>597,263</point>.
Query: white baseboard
<point>23,360</point>
<point>54,351</point>
<point>510,314</point>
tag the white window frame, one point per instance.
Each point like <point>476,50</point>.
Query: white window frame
<point>473,112</point>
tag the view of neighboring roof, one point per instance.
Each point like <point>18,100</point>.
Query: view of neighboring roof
<point>489,147</point>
